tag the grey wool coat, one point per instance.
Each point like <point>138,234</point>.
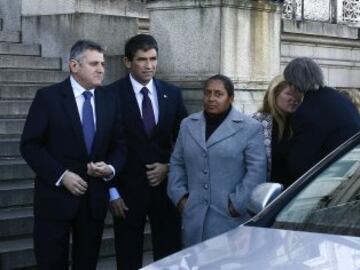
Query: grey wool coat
<point>226,167</point>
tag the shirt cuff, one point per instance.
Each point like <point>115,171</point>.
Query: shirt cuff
<point>59,181</point>
<point>108,178</point>
<point>114,194</point>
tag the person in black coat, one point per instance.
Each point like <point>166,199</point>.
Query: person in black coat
<point>324,120</point>
<point>73,141</point>
<point>151,124</point>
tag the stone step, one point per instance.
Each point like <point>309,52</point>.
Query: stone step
<point>32,76</point>
<point>29,62</point>
<point>14,168</point>
<point>16,222</point>
<point>106,263</point>
<point>19,49</point>
<point>16,253</point>
<point>109,263</point>
<point>9,147</point>
<point>19,221</point>
<point>11,127</point>
<point>14,37</point>
<point>19,91</point>
<point>16,193</point>
<point>19,253</point>
<point>18,108</point>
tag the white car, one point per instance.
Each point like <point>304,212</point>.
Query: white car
<point>314,224</point>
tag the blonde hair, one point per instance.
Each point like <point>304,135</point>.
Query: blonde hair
<point>354,95</point>
<point>277,84</point>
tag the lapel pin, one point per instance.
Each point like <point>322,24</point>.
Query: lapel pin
<point>165,96</point>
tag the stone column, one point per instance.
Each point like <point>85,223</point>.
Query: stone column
<point>57,24</point>
<point>199,38</point>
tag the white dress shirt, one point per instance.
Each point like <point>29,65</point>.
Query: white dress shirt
<point>152,95</point>
<point>113,192</point>
<point>78,91</point>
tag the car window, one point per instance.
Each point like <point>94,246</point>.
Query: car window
<point>330,203</point>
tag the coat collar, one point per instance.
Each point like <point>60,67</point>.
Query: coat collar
<point>72,112</point>
<point>162,102</point>
<point>101,111</point>
<point>230,125</point>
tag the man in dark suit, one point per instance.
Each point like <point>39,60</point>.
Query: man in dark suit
<point>152,112</point>
<point>324,120</point>
<point>73,141</point>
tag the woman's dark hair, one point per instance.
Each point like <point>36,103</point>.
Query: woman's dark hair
<point>139,42</point>
<point>228,84</point>
<point>305,74</point>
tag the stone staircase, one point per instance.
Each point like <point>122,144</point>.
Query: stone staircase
<point>22,71</point>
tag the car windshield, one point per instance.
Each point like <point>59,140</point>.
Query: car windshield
<point>330,203</point>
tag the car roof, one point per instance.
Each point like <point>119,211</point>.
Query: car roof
<point>254,248</point>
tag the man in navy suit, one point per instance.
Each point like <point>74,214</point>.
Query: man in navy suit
<point>73,141</point>
<point>152,112</point>
<point>324,120</point>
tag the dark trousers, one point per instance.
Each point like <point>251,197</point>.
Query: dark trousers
<point>129,232</point>
<point>51,241</point>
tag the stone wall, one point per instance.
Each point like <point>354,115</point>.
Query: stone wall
<point>128,8</point>
<point>200,38</point>
<point>57,24</point>
<point>335,47</point>
<point>10,12</point>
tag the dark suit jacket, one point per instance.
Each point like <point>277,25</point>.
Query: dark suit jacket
<point>52,142</point>
<point>142,149</point>
<point>324,121</point>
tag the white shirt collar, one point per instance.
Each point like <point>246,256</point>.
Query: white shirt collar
<point>138,86</point>
<point>77,88</point>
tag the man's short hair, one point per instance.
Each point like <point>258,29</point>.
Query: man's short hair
<point>139,42</point>
<point>78,49</point>
<point>228,84</point>
<point>305,74</point>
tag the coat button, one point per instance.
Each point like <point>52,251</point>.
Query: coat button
<point>204,155</point>
<point>206,202</point>
<point>205,171</point>
<point>206,186</point>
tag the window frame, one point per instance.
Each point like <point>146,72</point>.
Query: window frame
<point>266,218</point>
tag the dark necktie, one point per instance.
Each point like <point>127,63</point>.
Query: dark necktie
<point>88,121</point>
<point>147,111</point>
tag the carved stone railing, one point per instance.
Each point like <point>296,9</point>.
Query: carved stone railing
<point>349,12</point>
<point>331,11</point>
<point>292,9</point>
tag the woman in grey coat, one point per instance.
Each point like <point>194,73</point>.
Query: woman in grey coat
<point>218,160</point>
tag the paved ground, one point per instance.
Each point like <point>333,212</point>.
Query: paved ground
<point>110,263</point>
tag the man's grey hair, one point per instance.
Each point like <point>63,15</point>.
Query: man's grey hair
<point>305,74</point>
<point>78,49</point>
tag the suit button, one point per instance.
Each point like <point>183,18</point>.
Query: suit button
<point>206,186</point>
<point>206,202</point>
<point>205,171</point>
<point>204,155</point>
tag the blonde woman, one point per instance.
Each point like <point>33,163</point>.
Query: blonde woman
<point>280,101</point>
